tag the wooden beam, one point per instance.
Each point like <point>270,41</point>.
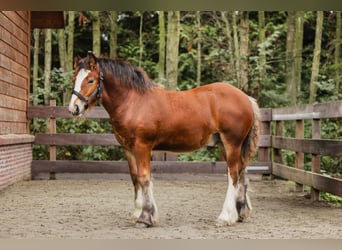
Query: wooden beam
<point>313,146</point>
<point>47,19</point>
<point>62,112</point>
<point>63,139</point>
<point>97,112</point>
<point>45,166</point>
<point>317,181</point>
<point>316,111</point>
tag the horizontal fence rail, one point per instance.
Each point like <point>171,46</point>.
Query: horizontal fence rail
<point>315,146</point>
<point>269,153</point>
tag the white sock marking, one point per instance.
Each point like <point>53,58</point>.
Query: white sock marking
<point>229,213</point>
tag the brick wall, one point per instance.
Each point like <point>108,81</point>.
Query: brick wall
<point>15,158</point>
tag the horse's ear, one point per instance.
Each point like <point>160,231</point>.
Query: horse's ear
<point>92,60</point>
<point>76,61</point>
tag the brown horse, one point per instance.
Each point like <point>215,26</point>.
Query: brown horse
<point>146,117</point>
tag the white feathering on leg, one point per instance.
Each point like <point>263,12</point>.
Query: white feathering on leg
<point>229,213</point>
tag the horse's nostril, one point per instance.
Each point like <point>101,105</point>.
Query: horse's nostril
<point>76,110</point>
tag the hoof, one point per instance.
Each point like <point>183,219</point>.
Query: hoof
<point>245,210</point>
<point>223,222</point>
<point>142,225</point>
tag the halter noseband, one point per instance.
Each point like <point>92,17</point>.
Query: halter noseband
<point>97,92</point>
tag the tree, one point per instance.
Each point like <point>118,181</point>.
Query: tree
<point>337,54</point>
<point>65,50</point>
<point>141,43</point>
<point>236,47</point>
<point>298,47</point>
<point>62,49</point>
<point>35,65</point>
<point>172,48</point>
<point>262,52</point>
<point>96,23</point>
<point>289,61</point>
<point>228,34</point>
<point>294,46</point>
<point>316,57</point>
<point>70,45</point>
<point>47,65</point>
<point>161,57</point>
<point>113,34</point>
<point>244,40</point>
<point>199,52</point>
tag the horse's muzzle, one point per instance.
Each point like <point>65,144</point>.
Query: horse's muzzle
<point>75,111</point>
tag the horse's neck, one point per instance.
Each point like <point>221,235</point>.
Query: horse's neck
<point>113,96</point>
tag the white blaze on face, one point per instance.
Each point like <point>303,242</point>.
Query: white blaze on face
<point>79,79</point>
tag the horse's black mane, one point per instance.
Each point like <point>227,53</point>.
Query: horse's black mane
<point>128,75</point>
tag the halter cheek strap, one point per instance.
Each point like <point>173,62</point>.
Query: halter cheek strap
<point>97,92</point>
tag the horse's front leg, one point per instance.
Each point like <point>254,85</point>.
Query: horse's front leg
<point>133,170</point>
<point>146,213</point>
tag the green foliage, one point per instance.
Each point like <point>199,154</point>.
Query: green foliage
<point>216,66</point>
<point>333,199</point>
<point>201,155</point>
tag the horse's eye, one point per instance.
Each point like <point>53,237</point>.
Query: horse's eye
<point>91,81</point>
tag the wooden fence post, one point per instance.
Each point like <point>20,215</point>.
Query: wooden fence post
<point>277,152</point>
<point>52,148</point>
<point>264,152</point>
<point>316,159</point>
<point>299,164</point>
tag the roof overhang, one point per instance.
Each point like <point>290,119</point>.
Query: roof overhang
<point>47,19</point>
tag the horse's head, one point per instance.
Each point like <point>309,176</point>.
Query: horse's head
<point>87,84</point>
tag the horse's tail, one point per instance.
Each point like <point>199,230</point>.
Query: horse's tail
<point>250,144</point>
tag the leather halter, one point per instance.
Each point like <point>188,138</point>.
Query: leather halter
<point>97,92</point>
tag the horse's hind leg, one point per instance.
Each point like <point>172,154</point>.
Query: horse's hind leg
<point>243,203</point>
<point>229,214</point>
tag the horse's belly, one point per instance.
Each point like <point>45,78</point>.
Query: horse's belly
<point>187,144</point>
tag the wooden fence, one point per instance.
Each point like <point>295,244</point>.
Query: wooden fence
<point>269,153</point>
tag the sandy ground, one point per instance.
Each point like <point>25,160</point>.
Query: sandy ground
<point>101,207</point>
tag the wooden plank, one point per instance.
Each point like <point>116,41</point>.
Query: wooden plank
<point>45,166</point>
<point>63,139</point>
<point>317,181</point>
<point>11,52</point>
<point>316,158</point>
<point>12,34</point>
<point>299,160</point>
<point>265,141</point>
<point>97,112</point>
<point>279,132</point>
<point>52,148</point>
<point>265,114</point>
<point>292,113</point>
<point>62,112</point>
<point>13,127</point>
<point>20,23</point>
<point>11,78</point>
<point>329,110</point>
<point>317,111</point>
<point>313,146</point>
<point>11,139</point>
<point>10,115</point>
<point>16,68</point>
<point>12,103</point>
<point>47,19</point>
